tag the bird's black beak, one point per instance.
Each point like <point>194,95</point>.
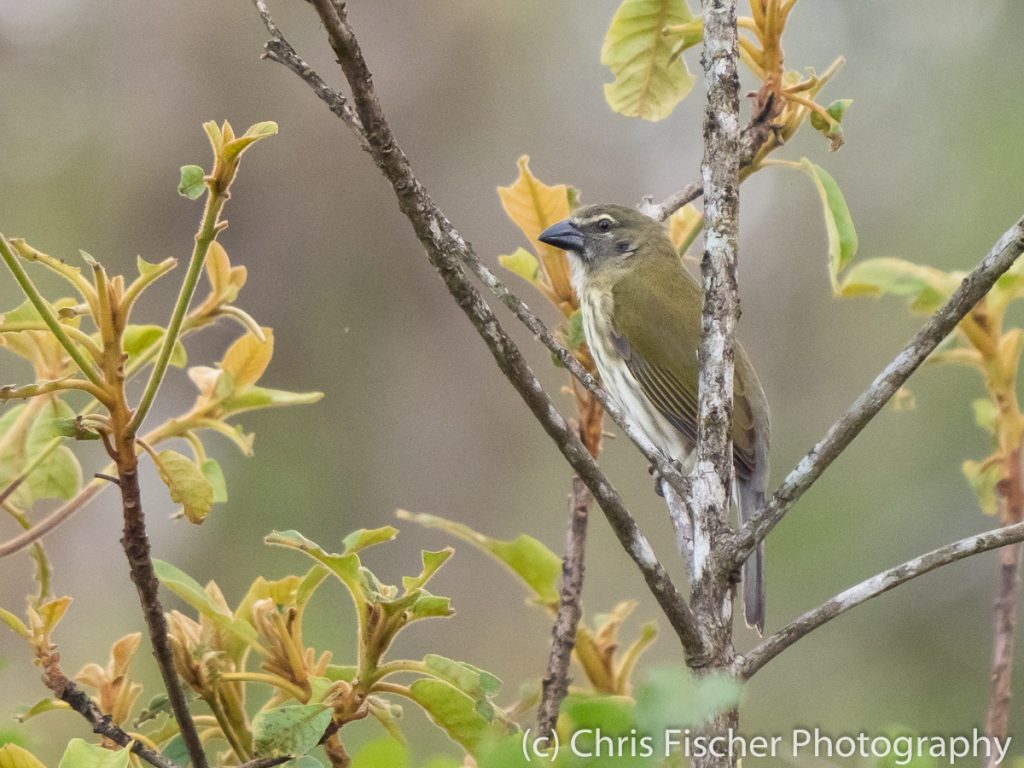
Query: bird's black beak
<point>563,235</point>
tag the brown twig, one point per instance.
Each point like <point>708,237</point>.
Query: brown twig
<point>66,690</point>
<point>999,259</point>
<point>997,718</point>
<point>746,666</point>
<point>445,248</point>
<point>135,542</point>
<point>555,685</point>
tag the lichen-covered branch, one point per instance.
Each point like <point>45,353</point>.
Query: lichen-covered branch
<point>999,259</point>
<point>771,647</point>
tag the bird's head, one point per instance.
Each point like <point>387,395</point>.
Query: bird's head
<point>600,236</point>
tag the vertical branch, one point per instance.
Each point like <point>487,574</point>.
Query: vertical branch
<point>1011,492</point>
<point>135,542</point>
<point>712,474</point>
<point>555,685</point>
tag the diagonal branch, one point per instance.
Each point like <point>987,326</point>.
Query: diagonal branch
<point>999,259</point>
<point>446,248</point>
<point>746,666</point>
<point>66,690</point>
<point>280,50</point>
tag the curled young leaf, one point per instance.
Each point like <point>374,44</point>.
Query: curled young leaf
<point>187,484</point>
<point>842,236</point>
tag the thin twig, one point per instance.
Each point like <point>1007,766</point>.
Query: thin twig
<point>746,666</point>
<point>266,762</point>
<point>66,690</point>
<point>135,542</point>
<point>445,247</point>
<point>997,718</point>
<point>999,259</point>
<point>555,684</point>
<point>280,50</point>
<point>51,521</point>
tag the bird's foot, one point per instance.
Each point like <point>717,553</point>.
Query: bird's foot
<point>658,479</point>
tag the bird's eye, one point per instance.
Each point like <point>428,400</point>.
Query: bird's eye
<point>604,225</point>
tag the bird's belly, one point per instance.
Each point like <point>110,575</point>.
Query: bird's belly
<point>626,392</point>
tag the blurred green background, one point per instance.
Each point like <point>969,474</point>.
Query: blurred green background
<point>102,102</point>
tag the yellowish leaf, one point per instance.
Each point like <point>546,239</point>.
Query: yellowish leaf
<point>13,756</point>
<point>187,484</point>
<point>534,206</point>
<point>649,81</point>
<point>248,358</point>
<point>684,226</point>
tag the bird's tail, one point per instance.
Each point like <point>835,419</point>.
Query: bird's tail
<point>751,499</point>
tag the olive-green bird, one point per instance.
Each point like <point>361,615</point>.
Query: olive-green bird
<point>642,320</point>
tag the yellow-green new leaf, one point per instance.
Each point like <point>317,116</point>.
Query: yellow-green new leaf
<point>82,754</point>
<point>984,476</point>
<point>521,262</point>
<point>927,288</point>
<point>649,81</point>
<point>842,237</point>
<point>534,563</point>
<point>16,625</point>
<point>248,358</point>
<point>235,147</point>
<point>13,756</point>
<point>187,484</point>
<point>534,206</point>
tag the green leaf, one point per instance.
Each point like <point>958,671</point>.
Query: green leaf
<point>472,681</point>
<point>193,183</point>
<point>59,476</point>
<point>452,711</point>
<point>649,82</point>
<point>534,563</point>
<point>82,754</point>
<point>254,397</point>
<point>139,339</point>
<point>41,706</point>
<point>836,110</point>
<point>842,237</point>
<point>674,698</point>
<point>13,756</point>
<point>187,484</point>
<point>984,476</point>
<point>176,751</point>
<point>985,415</point>
<point>192,592</point>
<point>15,624</point>
<point>365,538</point>
<point>380,753</point>
<point>294,729</point>
<point>523,263</point>
<point>215,477</point>
<point>927,288</point>
<point>432,561</point>
<point>236,147</point>
<point>574,335</point>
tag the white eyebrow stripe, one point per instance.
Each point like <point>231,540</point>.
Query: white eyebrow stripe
<point>597,218</point>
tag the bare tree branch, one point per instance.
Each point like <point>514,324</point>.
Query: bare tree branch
<point>999,259</point>
<point>746,666</point>
<point>66,690</point>
<point>712,473</point>
<point>445,248</point>
<point>555,684</point>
